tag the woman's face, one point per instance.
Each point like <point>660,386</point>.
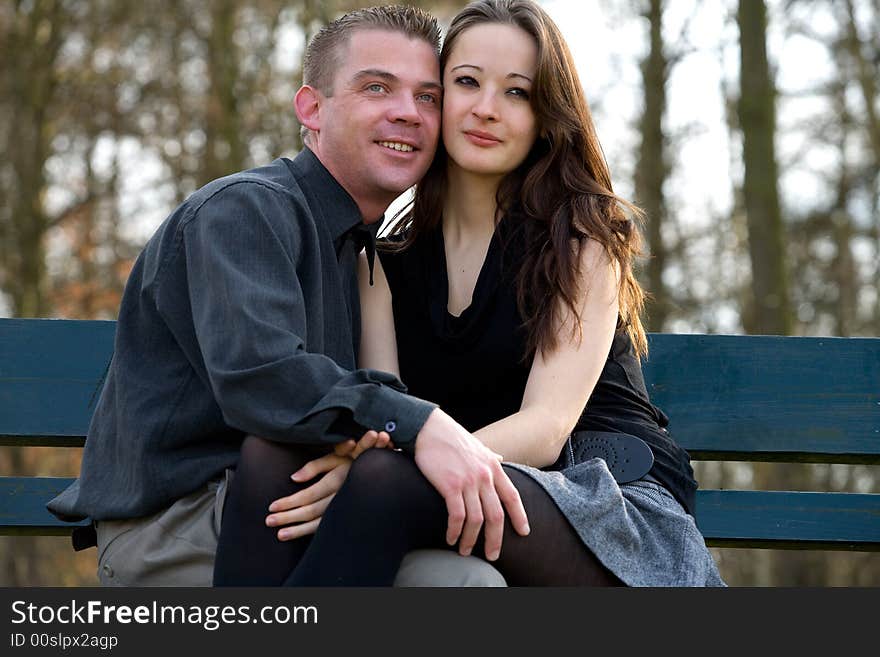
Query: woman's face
<point>488,123</point>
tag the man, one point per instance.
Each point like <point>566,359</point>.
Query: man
<point>241,318</point>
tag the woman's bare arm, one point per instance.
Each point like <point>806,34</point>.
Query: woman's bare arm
<point>560,383</point>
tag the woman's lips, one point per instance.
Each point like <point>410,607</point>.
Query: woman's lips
<point>481,138</point>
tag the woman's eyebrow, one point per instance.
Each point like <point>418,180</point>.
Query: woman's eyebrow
<point>480,69</point>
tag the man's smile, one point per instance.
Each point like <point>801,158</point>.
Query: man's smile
<point>397,146</point>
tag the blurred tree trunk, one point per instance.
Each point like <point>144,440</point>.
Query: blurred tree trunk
<point>224,149</point>
<point>770,313</point>
<point>652,168</point>
<point>757,119</point>
<point>744,565</point>
<point>32,44</point>
<point>738,232</point>
<point>867,76</point>
<point>844,271</point>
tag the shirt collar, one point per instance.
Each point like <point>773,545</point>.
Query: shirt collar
<point>339,212</point>
<point>363,236</point>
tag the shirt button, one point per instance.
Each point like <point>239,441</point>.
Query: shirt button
<point>108,570</point>
<point>390,426</point>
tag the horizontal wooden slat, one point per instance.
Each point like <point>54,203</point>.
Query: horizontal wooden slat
<point>729,397</point>
<point>50,375</point>
<point>769,398</point>
<point>828,521</point>
<point>774,519</point>
<point>23,505</point>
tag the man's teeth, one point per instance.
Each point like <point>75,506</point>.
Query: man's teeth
<point>406,148</point>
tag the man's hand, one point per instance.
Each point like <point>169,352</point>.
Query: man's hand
<point>300,514</point>
<point>371,439</point>
<point>470,478</point>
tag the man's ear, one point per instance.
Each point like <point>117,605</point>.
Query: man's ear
<point>307,104</point>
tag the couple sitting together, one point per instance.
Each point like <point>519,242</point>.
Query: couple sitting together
<point>285,408</point>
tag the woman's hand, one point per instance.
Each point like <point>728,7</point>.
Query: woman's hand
<point>300,514</point>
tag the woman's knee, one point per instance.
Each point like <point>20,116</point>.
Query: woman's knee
<point>376,467</point>
<point>379,477</point>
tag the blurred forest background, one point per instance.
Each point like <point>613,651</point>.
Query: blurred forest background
<point>112,112</point>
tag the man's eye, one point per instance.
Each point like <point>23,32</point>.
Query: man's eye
<point>376,88</point>
<point>427,98</point>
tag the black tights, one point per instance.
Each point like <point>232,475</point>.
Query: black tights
<point>248,552</point>
<point>385,509</point>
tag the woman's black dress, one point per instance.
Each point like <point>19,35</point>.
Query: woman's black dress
<point>475,367</point>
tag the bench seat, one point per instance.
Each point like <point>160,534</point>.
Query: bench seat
<point>730,398</point>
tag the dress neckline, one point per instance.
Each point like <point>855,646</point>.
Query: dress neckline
<point>479,284</point>
<point>468,323</point>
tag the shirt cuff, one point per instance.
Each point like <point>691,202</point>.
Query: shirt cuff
<point>401,416</point>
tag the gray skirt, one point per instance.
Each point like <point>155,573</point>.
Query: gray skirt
<point>639,531</point>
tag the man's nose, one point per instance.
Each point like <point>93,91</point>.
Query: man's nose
<point>405,109</point>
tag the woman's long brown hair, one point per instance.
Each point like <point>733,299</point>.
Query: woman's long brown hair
<point>563,188</point>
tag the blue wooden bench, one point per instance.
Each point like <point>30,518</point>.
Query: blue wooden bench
<point>731,398</point>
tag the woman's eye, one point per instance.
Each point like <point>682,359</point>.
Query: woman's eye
<point>520,92</point>
<point>466,80</point>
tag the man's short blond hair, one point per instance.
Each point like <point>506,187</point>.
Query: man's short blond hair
<point>323,53</point>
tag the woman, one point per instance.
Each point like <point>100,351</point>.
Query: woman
<point>516,309</point>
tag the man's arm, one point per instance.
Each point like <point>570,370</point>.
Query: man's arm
<point>249,314</point>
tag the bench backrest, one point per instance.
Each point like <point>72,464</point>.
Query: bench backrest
<point>746,398</point>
